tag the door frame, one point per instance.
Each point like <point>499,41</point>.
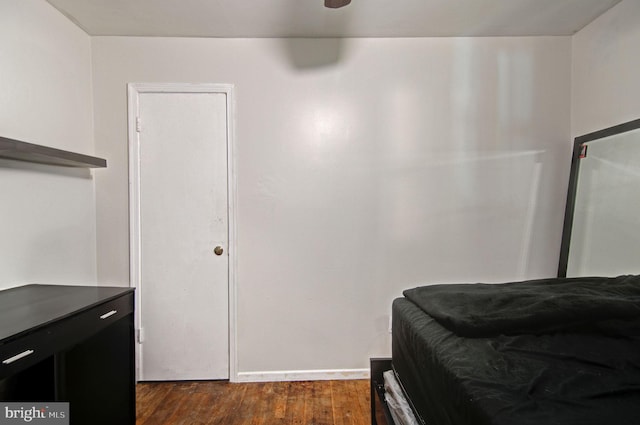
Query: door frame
<point>135,278</point>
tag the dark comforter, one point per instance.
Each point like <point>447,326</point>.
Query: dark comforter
<point>536,307</point>
<point>557,351</point>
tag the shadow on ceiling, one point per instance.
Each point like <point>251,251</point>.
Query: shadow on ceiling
<point>328,47</point>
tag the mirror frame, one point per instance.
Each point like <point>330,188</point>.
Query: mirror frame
<point>573,185</point>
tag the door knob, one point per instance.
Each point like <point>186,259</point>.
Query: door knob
<point>218,250</point>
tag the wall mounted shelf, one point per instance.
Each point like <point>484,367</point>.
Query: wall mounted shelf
<point>23,151</point>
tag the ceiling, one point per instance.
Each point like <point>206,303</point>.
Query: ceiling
<point>309,18</point>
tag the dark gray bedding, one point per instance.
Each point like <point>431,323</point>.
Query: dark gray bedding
<point>463,361</point>
<point>537,306</point>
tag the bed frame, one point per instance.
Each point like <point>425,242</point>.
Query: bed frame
<point>380,414</point>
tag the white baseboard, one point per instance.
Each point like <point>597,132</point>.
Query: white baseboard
<point>302,375</point>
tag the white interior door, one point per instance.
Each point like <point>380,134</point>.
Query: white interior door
<point>183,217</point>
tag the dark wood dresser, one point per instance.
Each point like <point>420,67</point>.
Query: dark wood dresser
<point>70,344</point>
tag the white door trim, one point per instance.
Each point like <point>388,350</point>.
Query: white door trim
<point>133,92</point>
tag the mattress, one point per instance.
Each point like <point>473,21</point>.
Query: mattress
<point>513,365</point>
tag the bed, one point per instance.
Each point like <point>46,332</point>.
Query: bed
<point>554,351</point>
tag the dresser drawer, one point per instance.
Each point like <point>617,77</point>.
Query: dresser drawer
<point>80,326</point>
<point>25,351</point>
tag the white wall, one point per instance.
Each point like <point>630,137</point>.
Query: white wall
<point>48,213</point>
<point>365,166</point>
<point>606,87</point>
<point>606,92</point>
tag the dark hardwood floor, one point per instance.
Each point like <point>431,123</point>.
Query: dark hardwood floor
<point>304,403</point>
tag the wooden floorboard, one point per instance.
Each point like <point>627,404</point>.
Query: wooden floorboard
<point>270,403</point>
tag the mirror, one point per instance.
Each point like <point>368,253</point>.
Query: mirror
<point>601,235</point>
